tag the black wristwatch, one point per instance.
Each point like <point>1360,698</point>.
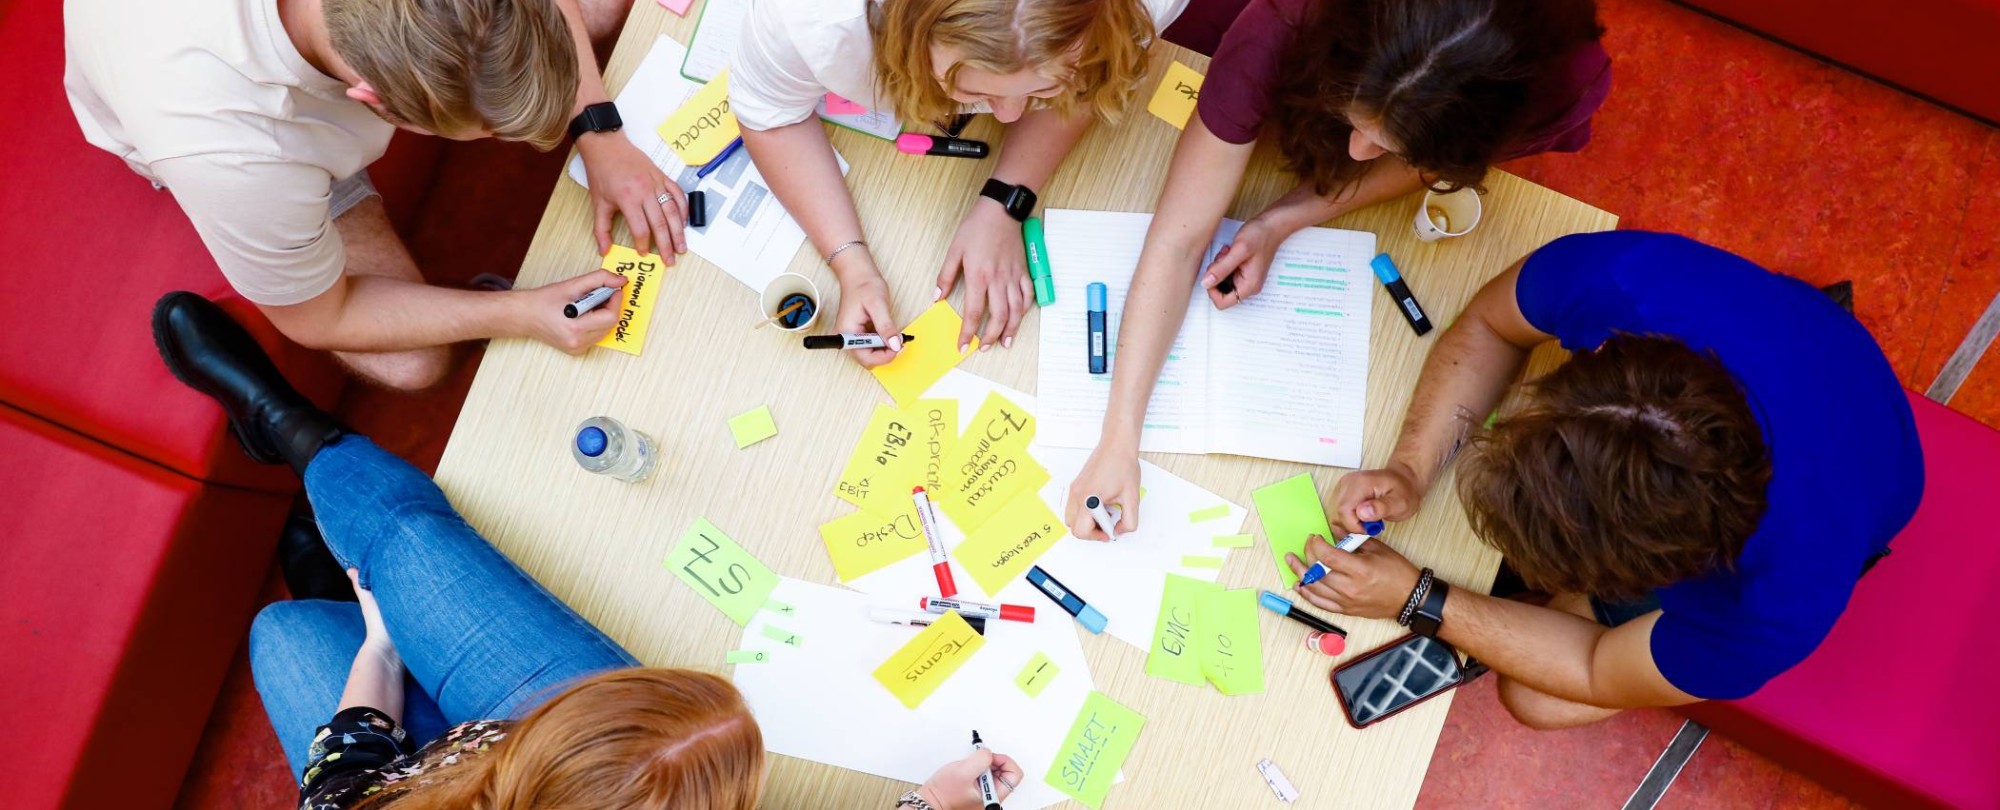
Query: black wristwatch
<point>1429,615</point>
<point>599,117</point>
<point>1018,200</point>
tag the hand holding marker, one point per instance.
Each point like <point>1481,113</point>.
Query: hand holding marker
<point>1347,544</point>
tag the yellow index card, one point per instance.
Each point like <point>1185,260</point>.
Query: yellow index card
<point>921,666</point>
<point>635,300</point>
<point>991,463</point>
<point>1036,675</point>
<point>752,427</point>
<point>922,361</point>
<point>1174,655</point>
<point>861,542</point>
<point>1174,101</point>
<point>1232,655</point>
<point>1004,548</point>
<point>885,465</point>
<point>1098,742</point>
<point>702,127</point>
<point>937,431</point>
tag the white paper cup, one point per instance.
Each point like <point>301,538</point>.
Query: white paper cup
<point>780,294</point>
<point>1460,211</point>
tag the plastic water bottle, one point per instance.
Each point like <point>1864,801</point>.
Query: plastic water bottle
<point>607,447</point>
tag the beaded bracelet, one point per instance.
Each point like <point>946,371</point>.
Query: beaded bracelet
<point>842,249</point>
<point>1417,595</point>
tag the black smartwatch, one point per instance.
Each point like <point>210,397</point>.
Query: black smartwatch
<point>599,117</point>
<point>1018,200</point>
<point>1429,616</point>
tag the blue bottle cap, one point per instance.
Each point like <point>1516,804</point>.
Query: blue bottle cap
<point>591,441</point>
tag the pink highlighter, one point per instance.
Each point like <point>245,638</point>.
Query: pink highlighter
<point>910,143</point>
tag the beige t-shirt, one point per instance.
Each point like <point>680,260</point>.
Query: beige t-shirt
<point>210,99</point>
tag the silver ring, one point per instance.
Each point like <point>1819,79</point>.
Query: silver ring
<point>664,198</point>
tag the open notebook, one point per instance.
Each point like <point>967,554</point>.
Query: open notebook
<point>1283,375</point>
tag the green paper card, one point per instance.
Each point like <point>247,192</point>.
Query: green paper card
<point>721,571</point>
<point>1036,675</point>
<point>1232,655</point>
<point>1291,512</point>
<point>746,656</point>
<point>752,427</point>
<point>1233,541</point>
<point>1175,656</point>
<point>782,636</point>
<point>1201,561</point>
<point>1220,510</point>
<point>1098,742</point>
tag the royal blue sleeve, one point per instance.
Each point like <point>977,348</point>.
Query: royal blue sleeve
<point>1580,288</point>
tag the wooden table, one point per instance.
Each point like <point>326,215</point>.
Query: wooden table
<point>598,544</point>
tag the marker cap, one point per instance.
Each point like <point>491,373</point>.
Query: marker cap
<point>1017,613</point>
<point>1373,527</point>
<point>1385,268</point>
<point>1275,603</point>
<point>1326,643</point>
<point>1096,294</point>
<point>1091,619</point>
<point>911,143</point>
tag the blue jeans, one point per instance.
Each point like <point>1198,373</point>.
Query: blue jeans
<point>480,638</point>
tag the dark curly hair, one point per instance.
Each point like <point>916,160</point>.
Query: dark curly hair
<point>1448,79</point>
<point>1629,468</point>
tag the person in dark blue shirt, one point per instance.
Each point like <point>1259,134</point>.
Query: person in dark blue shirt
<point>1701,486</point>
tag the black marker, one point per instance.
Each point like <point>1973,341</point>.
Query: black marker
<point>1385,269</point>
<point>590,300</point>
<point>845,341</point>
<point>911,143</point>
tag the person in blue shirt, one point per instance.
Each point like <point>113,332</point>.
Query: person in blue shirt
<point>1700,487</point>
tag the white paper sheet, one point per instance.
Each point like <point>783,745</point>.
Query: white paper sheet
<point>868,122</point>
<point>749,235</point>
<point>1283,375</point>
<point>820,701</point>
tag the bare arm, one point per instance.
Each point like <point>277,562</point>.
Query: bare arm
<point>376,679</point>
<point>380,314</point>
<point>1561,654</point>
<point>987,249</point>
<point>623,180</point>
<point>1388,177</point>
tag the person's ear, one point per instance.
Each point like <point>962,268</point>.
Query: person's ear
<point>364,93</point>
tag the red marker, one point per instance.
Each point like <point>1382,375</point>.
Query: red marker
<point>940,565</point>
<point>977,610</point>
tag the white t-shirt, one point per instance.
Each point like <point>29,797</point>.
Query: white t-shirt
<point>210,99</point>
<point>794,52</point>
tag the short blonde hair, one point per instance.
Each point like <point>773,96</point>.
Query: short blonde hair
<point>1108,38</point>
<point>508,67</point>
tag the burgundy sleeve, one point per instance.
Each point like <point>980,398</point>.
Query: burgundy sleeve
<point>1236,95</point>
<point>1565,103</point>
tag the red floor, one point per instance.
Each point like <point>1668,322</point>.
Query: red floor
<point>1710,132</point>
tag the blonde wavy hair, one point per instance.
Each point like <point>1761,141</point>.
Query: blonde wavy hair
<point>454,67</point>
<point>1107,38</point>
<point>629,739</point>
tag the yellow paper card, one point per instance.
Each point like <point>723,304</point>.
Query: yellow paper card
<point>922,361</point>
<point>1036,675</point>
<point>921,666</point>
<point>702,127</point>
<point>1232,655</point>
<point>861,542</point>
<point>991,464</point>
<point>885,465</point>
<point>1004,548</point>
<point>937,431</point>
<point>1174,655</point>
<point>1098,742</point>
<point>1174,101</point>
<point>752,427</point>
<point>635,299</point>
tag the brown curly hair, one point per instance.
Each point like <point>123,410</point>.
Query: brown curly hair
<point>1629,468</point>
<point>1450,81</point>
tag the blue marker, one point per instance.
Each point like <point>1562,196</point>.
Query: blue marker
<point>1348,544</point>
<point>719,159</point>
<point>1098,357</point>
<point>1385,269</point>
<point>1067,600</point>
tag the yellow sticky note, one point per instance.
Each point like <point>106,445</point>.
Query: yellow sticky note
<point>1174,655</point>
<point>635,299</point>
<point>1004,548</point>
<point>862,542</point>
<point>1098,742</point>
<point>885,465</point>
<point>937,431</point>
<point>1174,101</point>
<point>752,427</point>
<point>921,666</point>
<point>700,129</point>
<point>991,464</point>
<point>922,361</point>
<point>1036,675</point>
<point>1232,655</point>
<point>721,571</point>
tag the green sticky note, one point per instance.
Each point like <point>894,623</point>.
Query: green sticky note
<point>1233,541</point>
<point>780,608</point>
<point>1201,561</point>
<point>746,656</point>
<point>1036,675</point>
<point>721,571</point>
<point>1174,655</point>
<point>753,426</point>
<point>1232,655</point>
<point>1220,510</point>
<point>1098,742</point>
<point>782,636</point>
<point>1291,513</point>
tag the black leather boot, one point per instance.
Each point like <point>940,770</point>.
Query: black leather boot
<point>211,353</point>
<point>311,572</point>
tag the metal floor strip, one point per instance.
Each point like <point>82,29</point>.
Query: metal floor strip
<point>1966,356</point>
<point>1668,767</point>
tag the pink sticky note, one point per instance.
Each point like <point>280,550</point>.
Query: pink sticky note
<point>839,106</point>
<point>677,6</point>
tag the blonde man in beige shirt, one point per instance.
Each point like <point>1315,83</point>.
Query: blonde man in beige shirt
<point>260,117</point>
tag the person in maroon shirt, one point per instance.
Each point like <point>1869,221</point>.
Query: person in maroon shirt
<point>1369,100</point>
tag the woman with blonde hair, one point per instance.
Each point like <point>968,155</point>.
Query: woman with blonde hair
<point>404,689</point>
<point>1047,68</point>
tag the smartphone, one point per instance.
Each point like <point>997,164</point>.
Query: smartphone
<point>1396,676</point>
